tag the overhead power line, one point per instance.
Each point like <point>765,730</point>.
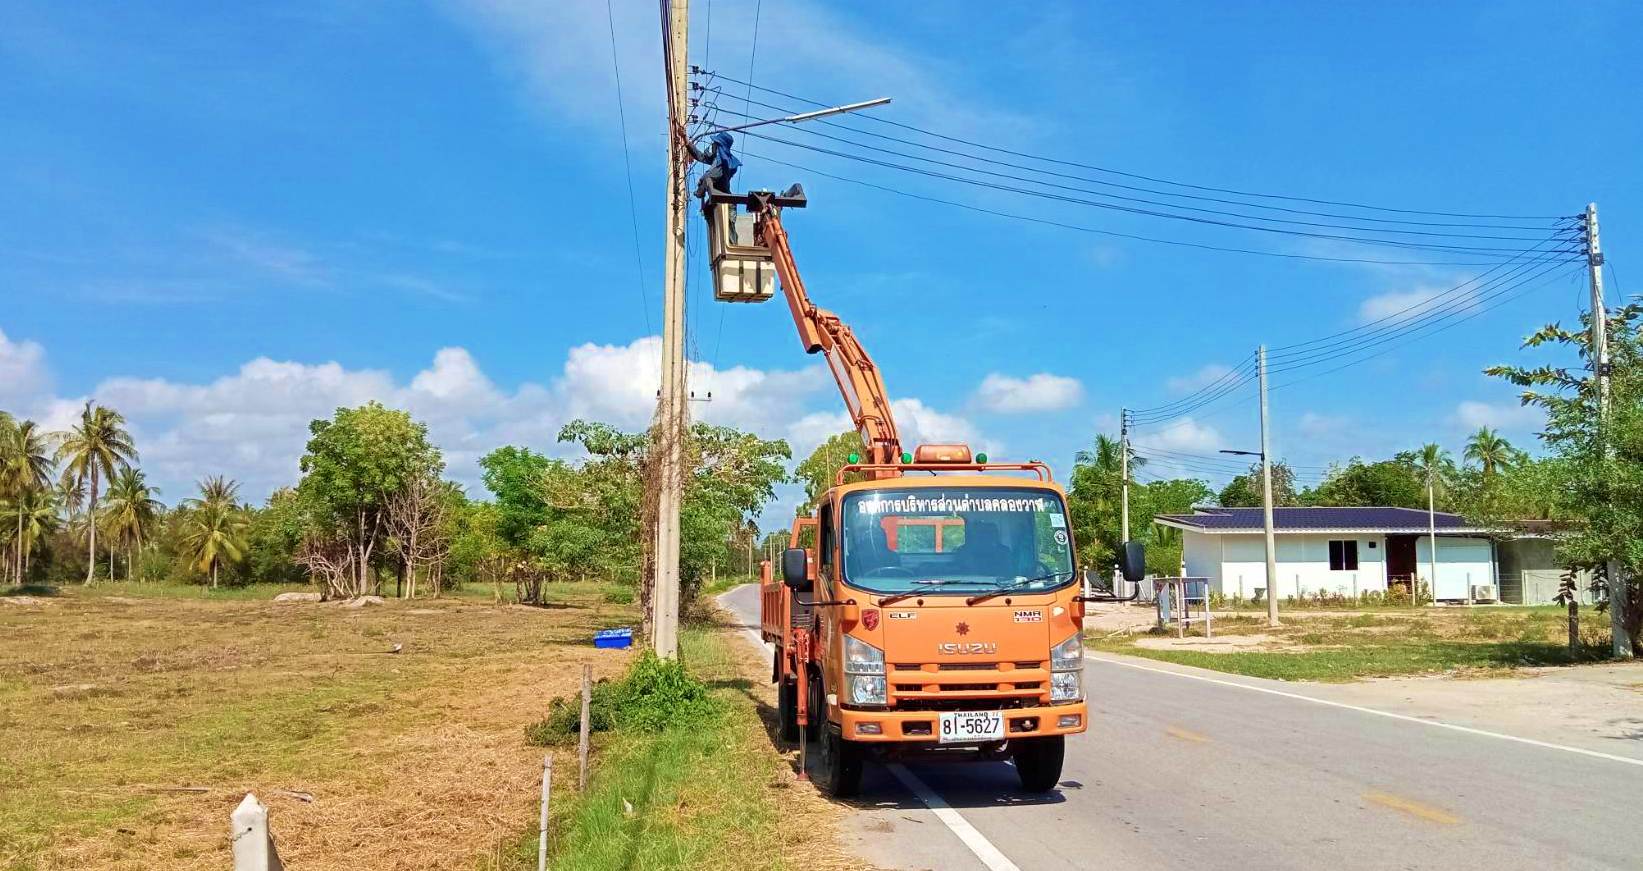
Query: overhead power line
<point>1158,180</point>
<point>1123,198</point>
<point>1115,234</point>
<point>1147,212</point>
<point>627,166</point>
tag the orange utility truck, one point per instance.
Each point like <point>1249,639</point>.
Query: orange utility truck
<point>930,604</point>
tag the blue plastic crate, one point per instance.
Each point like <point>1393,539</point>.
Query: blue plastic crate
<point>613,638</point>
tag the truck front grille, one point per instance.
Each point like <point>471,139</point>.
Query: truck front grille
<point>950,686</point>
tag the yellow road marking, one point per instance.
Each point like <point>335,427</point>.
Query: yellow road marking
<point>1413,808</point>
<point>1184,735</point>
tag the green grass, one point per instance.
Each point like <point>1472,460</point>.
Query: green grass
<point>1389,643</point>
<point>698,794</point>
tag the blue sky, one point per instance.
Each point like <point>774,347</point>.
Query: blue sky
<point>229,219</point>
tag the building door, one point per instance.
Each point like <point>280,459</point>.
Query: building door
<point>1400,561</point>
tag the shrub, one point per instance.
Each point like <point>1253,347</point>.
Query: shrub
<point>619,597</point>
<point>655,694</point>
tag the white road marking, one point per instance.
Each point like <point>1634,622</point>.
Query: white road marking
<point>984,850</point>
<point>1362,710</point>
<point>955,822</point>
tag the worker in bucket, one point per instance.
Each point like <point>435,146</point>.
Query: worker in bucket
<point>722,163</point>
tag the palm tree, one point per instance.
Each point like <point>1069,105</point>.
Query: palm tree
<point>35,513</point>
<point>91,451</point>
<point>70,494</point>
<point>1434,464</point>
<point>212,533</point>
<point>25,469</point>
<point>130,510</point>
<point>218,490</point>
<point>1491,451</point>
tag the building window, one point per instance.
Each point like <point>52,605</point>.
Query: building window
<point>1343,556</point>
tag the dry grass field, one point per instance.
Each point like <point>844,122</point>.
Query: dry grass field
<point>135,721</point>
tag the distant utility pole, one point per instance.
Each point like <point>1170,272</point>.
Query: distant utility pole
<point>1432,542</point>
<point>672,406</point>
<point>1619,587</point>
<point>1124,472</point>
<point>1266,499</point>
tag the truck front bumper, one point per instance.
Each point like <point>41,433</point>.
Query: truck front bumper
<point>891,725</point>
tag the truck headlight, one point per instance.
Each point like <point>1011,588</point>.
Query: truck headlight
<point>863,658</point>
<point>1068,655</point>
<point>1066,686</point>
<point>866,689</point>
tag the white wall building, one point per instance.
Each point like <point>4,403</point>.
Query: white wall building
<point>1337,550</point>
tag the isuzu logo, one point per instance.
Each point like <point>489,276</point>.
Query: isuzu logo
<point>967,648</point>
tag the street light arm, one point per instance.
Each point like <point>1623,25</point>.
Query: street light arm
<point>794,119</point>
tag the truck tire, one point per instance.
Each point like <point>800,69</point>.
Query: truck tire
<point>1038,761</point>
<point>840,763</point>
<point>787,710</point>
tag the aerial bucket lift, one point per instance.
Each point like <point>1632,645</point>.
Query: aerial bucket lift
<point>744,268</point>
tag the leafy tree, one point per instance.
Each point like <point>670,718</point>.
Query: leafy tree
<point>353,465</point>
<point>91,451</point>
<point>819,470</point>
<point>1094,500</point>
<point>129,511</point>
<point>273,535</point>
<point>1387,482</point>
<point>1246,491</point>
<point>1598,469</point>
<point>515,476</point>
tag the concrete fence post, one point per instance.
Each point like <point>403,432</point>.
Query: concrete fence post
<point>252,842</point>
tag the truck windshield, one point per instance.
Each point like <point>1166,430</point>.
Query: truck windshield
<point>956,540</point>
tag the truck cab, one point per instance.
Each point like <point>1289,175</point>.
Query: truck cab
<point>932,614</point>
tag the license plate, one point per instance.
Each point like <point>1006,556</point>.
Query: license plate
<point>961,726</point>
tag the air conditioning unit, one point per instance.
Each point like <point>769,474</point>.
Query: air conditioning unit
<point>1484,593</point>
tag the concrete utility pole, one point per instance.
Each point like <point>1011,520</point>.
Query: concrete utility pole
<point>1432,544</point>
<point>1619,587</point>
<point>1266,499</point>
<point>1124,472</point>
<point>672,407</point>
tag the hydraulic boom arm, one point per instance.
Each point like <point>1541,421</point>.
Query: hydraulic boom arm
<point>820,330</point>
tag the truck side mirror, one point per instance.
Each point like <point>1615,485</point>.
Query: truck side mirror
<point>1134,567</point>
<point>796,569</point>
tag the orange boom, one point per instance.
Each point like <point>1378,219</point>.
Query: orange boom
<point>928,613</point>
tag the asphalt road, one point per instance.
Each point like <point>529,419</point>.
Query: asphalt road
<point>1183,772</point>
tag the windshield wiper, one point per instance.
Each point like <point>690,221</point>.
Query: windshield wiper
<point>924,582</point>
<point>982,597</point>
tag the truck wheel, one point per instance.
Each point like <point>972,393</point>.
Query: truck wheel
<point>1038,761</point>
<point>840,763</point>
<point>787,710</point>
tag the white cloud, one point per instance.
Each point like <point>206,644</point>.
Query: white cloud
<point>23,374</point>
<point>1472,414</point>
<point>252,424</point>
<point>1204,377</point>
<point>1189,435</point>
<point>1041,392</point>
<point>1394,305</point>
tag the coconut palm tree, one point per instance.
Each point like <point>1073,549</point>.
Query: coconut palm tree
<point>25,469</point>
<point>213,533</point>
<point>70,494</point>
<point>35,515</point>
<point>129,512</point>
<point>218,490</point>
<point>91,451</point>
<point>1491,452</point>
